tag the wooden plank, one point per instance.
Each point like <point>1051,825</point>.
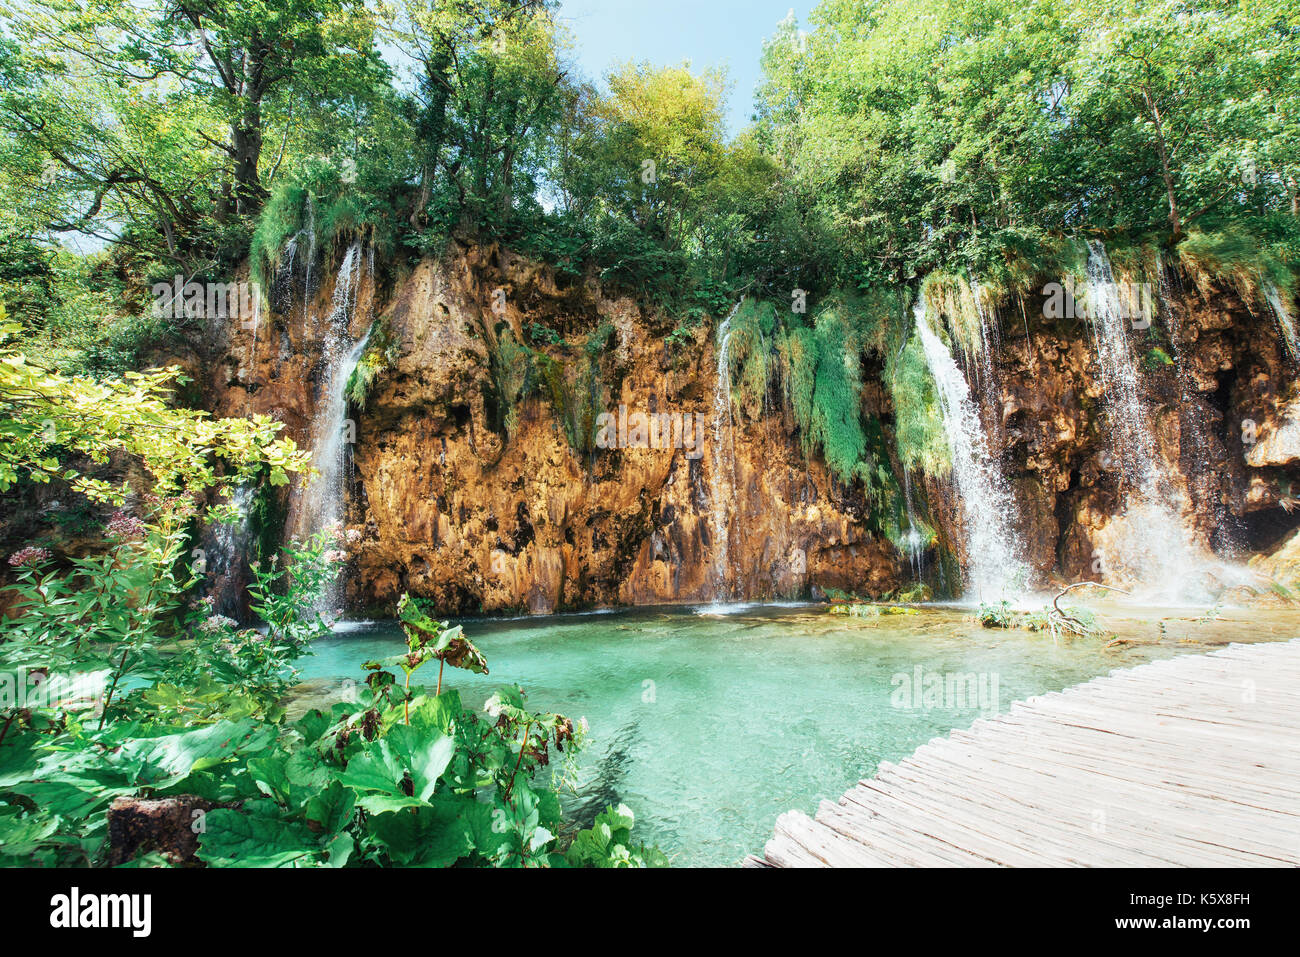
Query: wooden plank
<point>1189,761</point>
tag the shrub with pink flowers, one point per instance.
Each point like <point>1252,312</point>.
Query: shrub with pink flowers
<point>31,555</point>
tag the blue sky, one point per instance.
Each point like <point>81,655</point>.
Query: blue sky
<point>706,32</point>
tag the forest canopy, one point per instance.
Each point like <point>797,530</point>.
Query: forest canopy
<point>890,138</point>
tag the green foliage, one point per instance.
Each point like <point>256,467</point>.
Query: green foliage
<point>1233,257</point>
<point>608,843</point>
<point>918,421</point>
<point>578,401</point>
<point>918,135</point>
<point>192,705</point>
<point>77,313</point>
<point>381,351</point>
<point>45,417</point>
<point>831,419</point>
<point>994,614</point>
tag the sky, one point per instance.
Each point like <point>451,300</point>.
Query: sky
<point>708,33</point>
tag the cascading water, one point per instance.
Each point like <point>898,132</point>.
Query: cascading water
<point>228,550</point>
<point>986,382</point>
<point>1149,543</point>
<point>723,480</point>
<point>993,565</point>
<point>1117,364</point>
<point>1285,323</point>
<point>321,503</point>
<point>913,541</point>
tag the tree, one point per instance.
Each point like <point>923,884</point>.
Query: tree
<point>152,120</point>
<point>488,90</point>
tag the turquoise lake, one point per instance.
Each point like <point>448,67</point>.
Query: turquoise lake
<point>709,722</point>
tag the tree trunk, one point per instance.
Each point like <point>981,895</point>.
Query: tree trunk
<point>246,143</point>
<point>1162,148</point>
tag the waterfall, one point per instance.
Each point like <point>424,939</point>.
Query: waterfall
<point>309,230</point>
<point>1117,364</point>
<point>722,482</point>
<point>227,554</point>
<point>321,503</point>
<point>1285,323</point>
<point>986,380</point>
<point>1149,542</point>
<point>913,542</point>
<point>986,504</point>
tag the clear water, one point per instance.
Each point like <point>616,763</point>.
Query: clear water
<point>709,725</point>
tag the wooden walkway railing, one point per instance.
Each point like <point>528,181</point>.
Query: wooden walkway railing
<point>1192,761</point>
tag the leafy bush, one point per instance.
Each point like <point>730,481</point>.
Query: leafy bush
<point>994,614</point>
<point>116,682</point>
<point>608,843</point>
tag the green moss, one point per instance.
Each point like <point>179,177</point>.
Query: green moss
<point>382,350</point>
<point>918,421</point>
<point>515,373</point>
<point>752,356</point>
<point>1156,358</point>
<point>951,300</point>
<point>576,391</point>
<point>1250,266</point>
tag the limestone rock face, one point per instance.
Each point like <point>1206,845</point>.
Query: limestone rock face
<point>1280,443</point>
<point>1224,420</point>
<point>483,508</point>
<point>486,503</point>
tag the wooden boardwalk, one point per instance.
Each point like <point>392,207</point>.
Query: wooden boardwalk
<point>1192,761</point>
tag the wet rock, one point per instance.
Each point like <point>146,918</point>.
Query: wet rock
<point>168,826</point>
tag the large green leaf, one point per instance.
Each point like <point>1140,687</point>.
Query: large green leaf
<point>256,836</point>
<point>407,758</point>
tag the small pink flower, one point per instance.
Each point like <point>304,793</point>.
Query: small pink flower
<point>334,555</point>
<point>31,555</point>
<point>354,536</point>
<point>125,527</point>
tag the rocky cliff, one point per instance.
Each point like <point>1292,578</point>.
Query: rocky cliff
<point>1221,398</point>
<point>472,483</point>
<point>484,508</point>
